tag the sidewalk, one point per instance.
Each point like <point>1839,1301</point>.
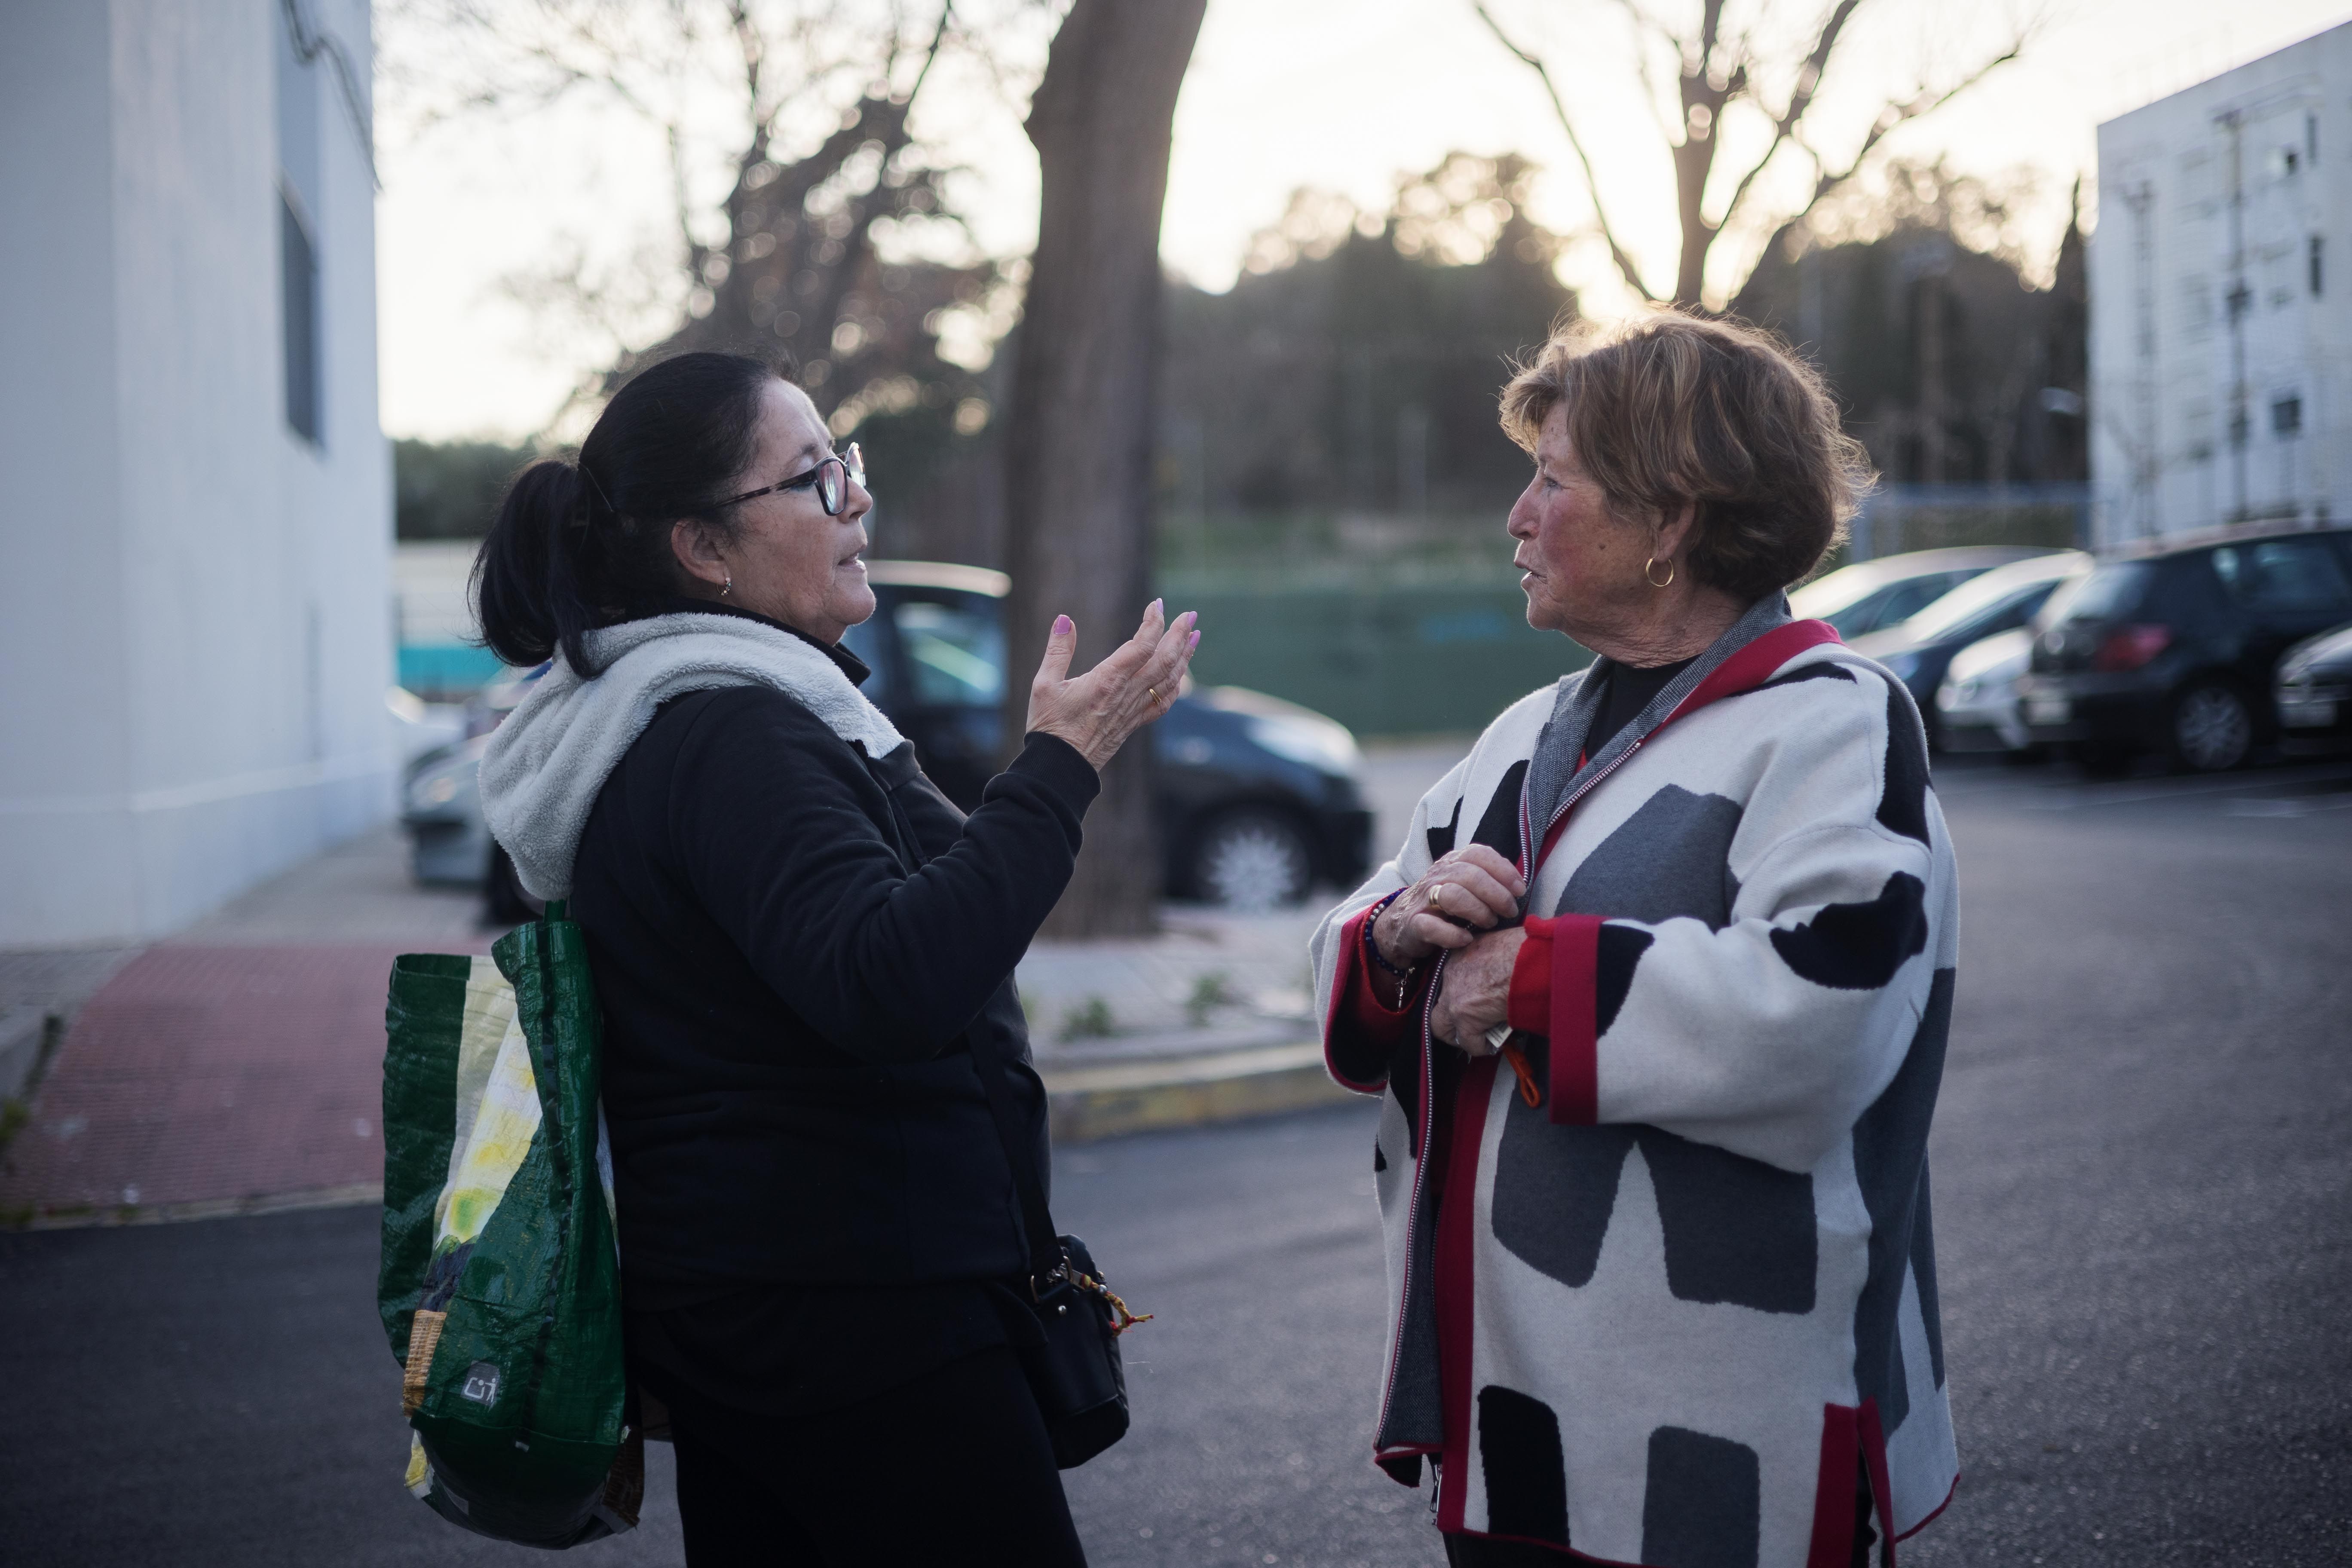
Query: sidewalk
<point>236,1067</point>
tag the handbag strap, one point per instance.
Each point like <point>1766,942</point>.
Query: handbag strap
<point>1046,1255</point>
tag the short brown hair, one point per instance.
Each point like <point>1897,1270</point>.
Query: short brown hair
<point>1669,408</point>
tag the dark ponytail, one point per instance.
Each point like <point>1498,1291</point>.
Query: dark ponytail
<point>586,544</point>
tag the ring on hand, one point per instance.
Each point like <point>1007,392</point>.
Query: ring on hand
<point>1155,694</point>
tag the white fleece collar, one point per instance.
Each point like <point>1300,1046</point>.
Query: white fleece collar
<point>545,765</point>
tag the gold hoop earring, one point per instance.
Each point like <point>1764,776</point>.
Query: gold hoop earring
<point>1653,582</point>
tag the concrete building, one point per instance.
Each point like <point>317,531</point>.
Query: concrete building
<point>195,525</point>
<point>2220,282</point>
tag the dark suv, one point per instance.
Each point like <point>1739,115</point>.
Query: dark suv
<point>1257,798</point>
<point>2173,650</point>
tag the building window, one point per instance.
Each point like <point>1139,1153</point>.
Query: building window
<point>300,179</point>
<point>2287,416</point>
<point>2315,274</point>
<point>2311,139</point>
<point>299,263</point>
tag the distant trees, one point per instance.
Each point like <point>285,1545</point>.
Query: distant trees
<point>1743,100</point>
<point>1910,292</point>
<point>449,489</point>
<point>1355,363</point>
<point>808,220</point>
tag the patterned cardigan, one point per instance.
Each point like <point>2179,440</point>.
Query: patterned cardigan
<point>1664,1291</point>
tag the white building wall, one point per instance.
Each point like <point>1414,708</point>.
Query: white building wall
<point>2206,327</point>
<point>194,622</point>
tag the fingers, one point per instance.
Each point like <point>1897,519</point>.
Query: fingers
<point>1471,896</point>
<point>1435,930</point>
<point>1488,860</point>
<point>1164,670</point>
<point>1060,644</point>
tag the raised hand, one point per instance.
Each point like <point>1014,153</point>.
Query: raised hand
<point>1097,712</point>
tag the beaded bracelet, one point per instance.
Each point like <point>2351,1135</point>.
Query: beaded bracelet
<point>1372,948</point>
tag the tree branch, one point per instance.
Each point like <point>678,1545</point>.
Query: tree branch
<point>1896,115</point>
<point>1625,267</point>
<point>1643,22</point>
<point>1800,100</point>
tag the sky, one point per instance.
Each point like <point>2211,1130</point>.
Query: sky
<point>1335,94</point>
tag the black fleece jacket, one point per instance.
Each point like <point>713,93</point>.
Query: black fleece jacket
<point>789,999</point>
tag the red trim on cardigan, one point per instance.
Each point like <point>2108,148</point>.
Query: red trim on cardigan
<point>1359,1013</point>
<point>1457,1279</point>
<point>1833,1545</point>
<point>1575,1062</point>
<point>1934,1513</point>
<point>1528,1008</point>
<point>1753,665</point>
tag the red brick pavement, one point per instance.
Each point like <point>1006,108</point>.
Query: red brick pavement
<point>205,1076</point>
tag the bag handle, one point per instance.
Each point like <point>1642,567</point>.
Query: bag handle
<point>1047,1259</point>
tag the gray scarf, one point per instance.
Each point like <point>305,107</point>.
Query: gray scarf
<point>1553,776</point>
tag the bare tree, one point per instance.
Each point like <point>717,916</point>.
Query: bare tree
<point>789,154</point>
<point>1722,71</point>
<point>1078,445</point>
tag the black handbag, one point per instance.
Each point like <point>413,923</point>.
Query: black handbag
<point>1075,1374</point>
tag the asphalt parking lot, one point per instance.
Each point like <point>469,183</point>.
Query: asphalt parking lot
<point>2144,1210</point>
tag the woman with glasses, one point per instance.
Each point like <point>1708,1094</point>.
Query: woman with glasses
<point>798,943</point>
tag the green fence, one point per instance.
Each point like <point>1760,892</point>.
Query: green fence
<point>1384,659</point>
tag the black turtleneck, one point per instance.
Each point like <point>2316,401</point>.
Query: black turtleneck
<point>1626,691</point>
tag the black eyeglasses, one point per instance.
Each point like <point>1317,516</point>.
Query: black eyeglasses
<point>831,476</point>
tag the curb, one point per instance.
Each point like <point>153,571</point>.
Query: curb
<point>1092,1102</point>
<point>121,1215</point>
<point>1085,1104</point>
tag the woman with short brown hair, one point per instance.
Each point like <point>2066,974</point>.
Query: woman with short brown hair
<point>1656,988</point>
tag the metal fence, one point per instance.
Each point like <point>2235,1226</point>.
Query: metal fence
<point>1382,657</point>
<point>1899,518</point>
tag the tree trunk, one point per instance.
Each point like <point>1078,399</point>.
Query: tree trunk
<point>1080,441</point>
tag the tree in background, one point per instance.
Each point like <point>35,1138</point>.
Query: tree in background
<point>809,221</point>
<point>1737,77</point>
<point>1078,445</point>
<point>1911,290</point>
<point>1353,365</point>
<point>449,489</point>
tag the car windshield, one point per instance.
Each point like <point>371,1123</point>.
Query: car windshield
<point>2105,593</point>
<point>955,652</point>
<point>1971,600</point>
<point>1825,598</point>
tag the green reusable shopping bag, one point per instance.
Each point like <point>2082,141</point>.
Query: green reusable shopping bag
<point>499,1284</point>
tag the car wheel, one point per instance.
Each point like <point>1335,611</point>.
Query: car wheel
<point>1251,859</point>
<point>2212,729</point>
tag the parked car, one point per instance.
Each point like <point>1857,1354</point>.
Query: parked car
<point>1258,799</point>
<point>1874,594</point>
<point>2174,649</point>
<point>1918,650</point>
<point>2314,693</point>
<point>1976,704</point>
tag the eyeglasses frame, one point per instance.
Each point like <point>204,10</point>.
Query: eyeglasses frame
<point>851,463</point>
